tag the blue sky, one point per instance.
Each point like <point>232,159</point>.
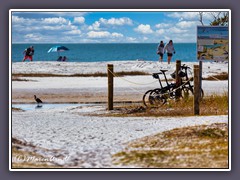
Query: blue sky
<point>105,27</point>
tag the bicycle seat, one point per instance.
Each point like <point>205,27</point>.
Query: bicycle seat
<point>155,75</point>
<point>163,70</point>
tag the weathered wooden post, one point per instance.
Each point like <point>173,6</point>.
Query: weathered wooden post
<point>110,86</point>
<point>196,97</point>
<point>178,79</point>
<point>200,74</point>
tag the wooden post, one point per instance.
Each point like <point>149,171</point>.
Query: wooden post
<point>200,75</point>
<point>178,79</point>
<point>110,86</point>
<point>196,97</point>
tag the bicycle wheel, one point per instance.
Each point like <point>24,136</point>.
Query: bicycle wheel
<point>159,97</point>
<point>148,99</point>
<point>186,91</point>
<point>172,91</point>
<point>153,98</point>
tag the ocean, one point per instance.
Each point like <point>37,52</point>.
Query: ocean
<point>186,52</point>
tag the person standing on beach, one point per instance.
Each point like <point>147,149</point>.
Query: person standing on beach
<point>160,50</point>
<point>170,50</point>
<point>28,53</point>
<point>64,58</point>
<point>60,58</point>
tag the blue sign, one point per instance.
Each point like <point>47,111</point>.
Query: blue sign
<point>212,43</point>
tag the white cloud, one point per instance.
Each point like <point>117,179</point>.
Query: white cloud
<point>131,39</point>
<point>187,24</point>
<point>43,29</point>
<point>67,29</point>
<point>193,16</point>
<point>37,25</point>
<point>176,30</point>
<point>79,20</point>
<point>52,14</point>
<point>32,37</point>
<point>98,34</point>
<point>117,35</point>
<point>184,15</point>
<point>95,26</point>
<point>73,32</point>
<point>162,25</point>
<point>58,20</point>
<point>103,34</point>
<point>16,19</point>
<point>144,29</point>
<point>160,31</point>
<point>112,21</point>
<point>116,21</point>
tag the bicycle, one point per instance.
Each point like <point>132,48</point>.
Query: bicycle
<point>186,85</point>
<point>159,96</point>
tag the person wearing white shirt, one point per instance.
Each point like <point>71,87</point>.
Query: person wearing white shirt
<point>170,50</point>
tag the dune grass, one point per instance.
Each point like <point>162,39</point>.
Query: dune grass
<point>14,78</point>
<point>210,105</point>
<point>17,109</point>
<point>221,76</point>
<point>25,155</point>
<point>97,74</point>
<point>204,146</point>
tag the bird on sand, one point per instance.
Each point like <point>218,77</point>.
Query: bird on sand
<point>37,99</point>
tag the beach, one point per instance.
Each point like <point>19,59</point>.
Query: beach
<point>74,131</point>
<point>94,89</point>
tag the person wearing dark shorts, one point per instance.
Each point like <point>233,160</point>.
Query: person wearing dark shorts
<point>170,50</point>
<point>28,53</point>
<point>160,51</point>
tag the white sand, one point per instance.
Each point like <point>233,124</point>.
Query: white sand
<point>88,140</point>
<point>128,84</point>
<point>209,68</point>
<point>134,86</point>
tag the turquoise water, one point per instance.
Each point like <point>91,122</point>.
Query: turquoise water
<point>27,107</point>
<point>105,52</point>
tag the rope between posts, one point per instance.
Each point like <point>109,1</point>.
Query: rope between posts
<point>176,88</point>
<point>149,83</point>
<point>209,75</point>
<point>215,78</point>
<point>129,80</point>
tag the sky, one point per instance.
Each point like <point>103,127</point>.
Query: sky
<point>105,26</point>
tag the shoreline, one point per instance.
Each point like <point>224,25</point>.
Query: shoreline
<point>70,68</point>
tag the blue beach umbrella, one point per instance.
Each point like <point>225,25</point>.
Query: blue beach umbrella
<point>57,49</point>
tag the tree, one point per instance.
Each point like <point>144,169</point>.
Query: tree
<point>218,18</point>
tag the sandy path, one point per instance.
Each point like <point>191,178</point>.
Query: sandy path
<point>90,141</point>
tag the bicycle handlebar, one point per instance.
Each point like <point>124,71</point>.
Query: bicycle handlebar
<point>184,66</point>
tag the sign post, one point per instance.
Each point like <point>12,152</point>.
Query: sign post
<point>110,86</point>
<point>197,91</point>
